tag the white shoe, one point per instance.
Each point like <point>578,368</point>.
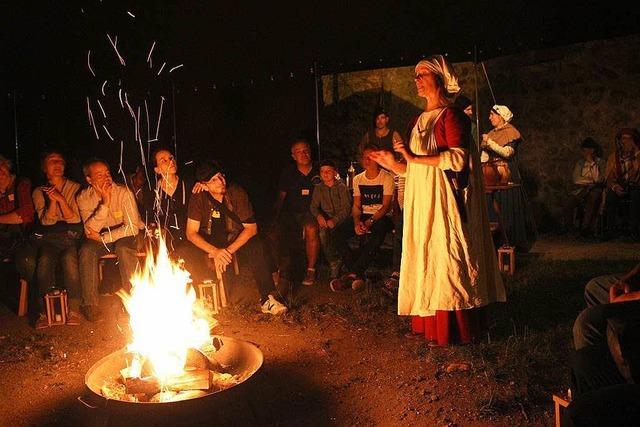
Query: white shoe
<point>273,306</point>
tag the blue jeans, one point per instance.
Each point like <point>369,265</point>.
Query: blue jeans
<point>89,255</point>
<point>49,253</point>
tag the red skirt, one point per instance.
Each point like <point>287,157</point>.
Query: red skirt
<point>451,327</point>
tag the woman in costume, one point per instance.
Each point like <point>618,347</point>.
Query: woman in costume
<point>500,150</point>
<point>448,271</point>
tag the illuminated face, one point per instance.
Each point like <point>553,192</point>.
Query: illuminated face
<point>628,146</point>
<point>217,185</point>
<point>382,121</point>
<point>5,176</point>
<point>469,111</point>
<point>587,153</point>
<point>165,163</point>
<point>495,119</point>
<point>327,174</point>
<point>53,166</point>
<point>366,161</point>
<point>99,175</point>
<point>426,82</point>
<point>301,153</point>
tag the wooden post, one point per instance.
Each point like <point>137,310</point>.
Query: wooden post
<point>221,289</point>
<point>559,404</point>
<point>24,298</point>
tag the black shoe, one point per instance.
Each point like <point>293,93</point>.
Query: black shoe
<point>92,313</point>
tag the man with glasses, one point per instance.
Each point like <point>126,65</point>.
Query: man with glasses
<point>221,224</point>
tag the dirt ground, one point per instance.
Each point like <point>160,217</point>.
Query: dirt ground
<point>336,359</point>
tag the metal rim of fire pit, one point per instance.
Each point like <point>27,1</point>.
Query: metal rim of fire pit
<point>239,357</point>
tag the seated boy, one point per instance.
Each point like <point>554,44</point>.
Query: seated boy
<point>330,206</point>
<point>372,196</point>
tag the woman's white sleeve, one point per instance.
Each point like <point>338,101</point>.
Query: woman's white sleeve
<point>506,152</point>
<point>454,159</point>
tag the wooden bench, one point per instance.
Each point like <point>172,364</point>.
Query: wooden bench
<point>112,255</point>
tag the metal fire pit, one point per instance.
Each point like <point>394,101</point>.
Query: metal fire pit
<point>239,358</point>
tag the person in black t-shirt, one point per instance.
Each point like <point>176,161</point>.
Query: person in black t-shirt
<point>166,204</point>
<point>293,208</point>
<point>220,224</point>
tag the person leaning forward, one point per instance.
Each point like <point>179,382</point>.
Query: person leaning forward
<point>220,224</point>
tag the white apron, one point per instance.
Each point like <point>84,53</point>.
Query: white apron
<point>447,264</point>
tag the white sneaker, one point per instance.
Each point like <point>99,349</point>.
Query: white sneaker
<point>273,306</point>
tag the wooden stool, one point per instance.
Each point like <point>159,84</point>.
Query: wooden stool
<point>53,300</point>
<point>508,254</point>
<point>559,404</point>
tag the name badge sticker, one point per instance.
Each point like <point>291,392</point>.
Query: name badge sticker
<point>305,191</point>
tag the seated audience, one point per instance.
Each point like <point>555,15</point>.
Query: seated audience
<point>588,180</point>
<point>16,215</point>
<point>166,205</point>
<point>372,197</point>
<point>111,224</point>
<point>220,224</point>
<point>607,297</point>
<point>330,205</point>
<point>623,180</point>
<point>292,211</point>
<point>605,368</point>
<point>58,235</point>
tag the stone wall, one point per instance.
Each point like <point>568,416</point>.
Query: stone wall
<point>558,96</point>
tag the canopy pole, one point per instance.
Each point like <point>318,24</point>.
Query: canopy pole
<point>315,78</point>
<point>15,130</point>
<point>175,136</point>
<point>477,102</point>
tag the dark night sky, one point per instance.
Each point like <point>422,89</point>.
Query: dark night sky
<point>45,43</point>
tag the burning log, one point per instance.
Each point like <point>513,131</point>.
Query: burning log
<point>146,385</point>
<point>193,379</point>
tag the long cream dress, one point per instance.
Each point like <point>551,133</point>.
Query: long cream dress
<point>447,264</point>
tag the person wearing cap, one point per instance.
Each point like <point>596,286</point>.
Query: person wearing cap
<point>623,180</point>
<point>221,224</point>
<point>448,271</point>
<point>330,205</point>
<point>588,180</point>
<point>381,136</point>
<point>500,148</point>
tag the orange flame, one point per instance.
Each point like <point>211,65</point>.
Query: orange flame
<point>164,319</point>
